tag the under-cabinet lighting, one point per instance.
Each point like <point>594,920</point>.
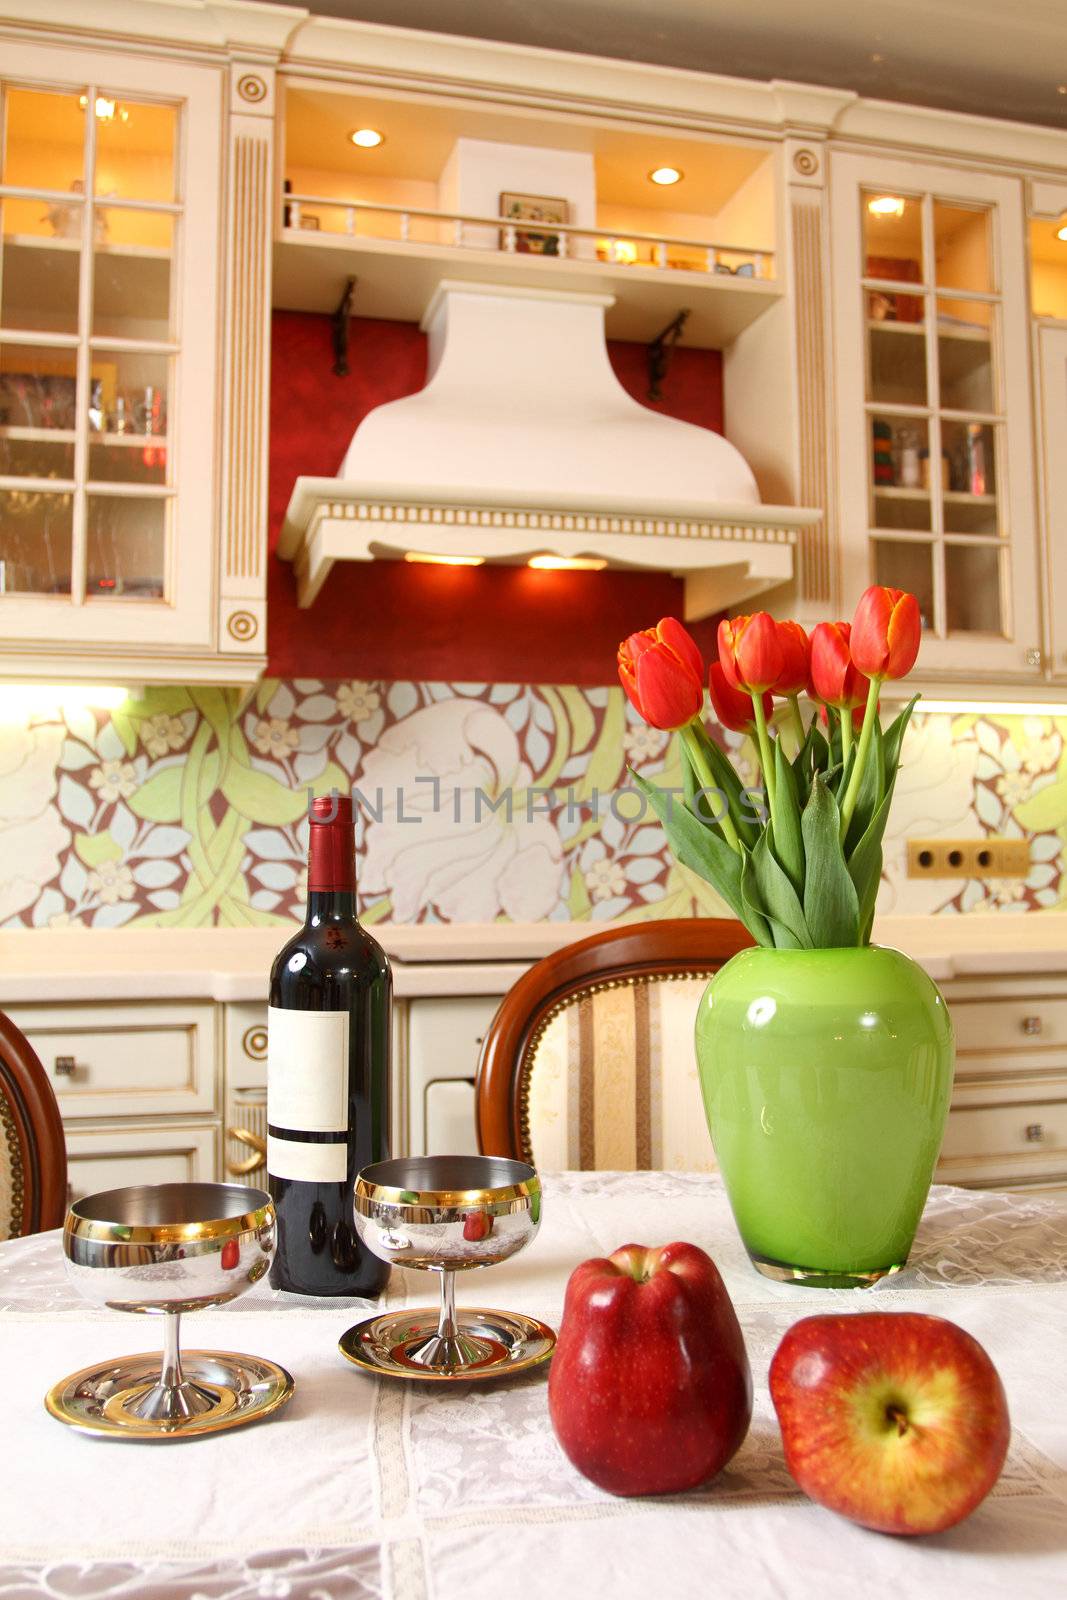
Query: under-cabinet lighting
<point>886,205</point>
<point>995,708</point>
<point>624,251</point>
<point>431,559</point>
<point>20,700</point>
<point>666,176</point>
<point>567,563</point>
<point>367,138</point>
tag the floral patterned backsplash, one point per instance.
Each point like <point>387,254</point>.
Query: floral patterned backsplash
<point>188,807</point>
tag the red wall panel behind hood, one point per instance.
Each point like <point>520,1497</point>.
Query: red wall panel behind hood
<point>391,619</point>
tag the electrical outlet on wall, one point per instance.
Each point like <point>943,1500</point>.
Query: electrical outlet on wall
<point>968,858</point>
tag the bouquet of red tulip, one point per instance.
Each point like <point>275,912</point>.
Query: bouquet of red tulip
<point>797,858</point>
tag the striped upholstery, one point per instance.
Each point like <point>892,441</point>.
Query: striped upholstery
<point>609,1080</point>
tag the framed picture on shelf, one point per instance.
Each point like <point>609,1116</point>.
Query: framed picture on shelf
<point>539,208</point>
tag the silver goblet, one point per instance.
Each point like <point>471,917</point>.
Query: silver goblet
<point>164,1249</point>
<point>447,1214</point>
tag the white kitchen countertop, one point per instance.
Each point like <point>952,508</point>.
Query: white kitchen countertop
<point>234,963</point>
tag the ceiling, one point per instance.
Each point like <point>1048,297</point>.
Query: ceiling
<point>980,56</point>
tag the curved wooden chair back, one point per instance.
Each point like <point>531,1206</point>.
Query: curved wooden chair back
<point>33,1151</point>
<point>589,1061</point>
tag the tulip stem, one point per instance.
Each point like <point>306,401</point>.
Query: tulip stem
<point>707,781</point>
<point>798,721</point>
<point>870,715</point>
<point>765,749</point>
<point>846,734</point>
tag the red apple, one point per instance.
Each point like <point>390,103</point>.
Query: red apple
<point>895,1419</point>
<point>650,1390</point>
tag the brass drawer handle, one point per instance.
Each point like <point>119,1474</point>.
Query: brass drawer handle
<point>1031,1026</point>
<point>1035,1132</point>
<point>258,1145</point>
<point>65,1066</point>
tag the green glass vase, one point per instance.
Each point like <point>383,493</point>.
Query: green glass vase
<point>826,1077</point>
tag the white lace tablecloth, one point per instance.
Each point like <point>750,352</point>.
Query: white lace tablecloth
<point>362,1488</point>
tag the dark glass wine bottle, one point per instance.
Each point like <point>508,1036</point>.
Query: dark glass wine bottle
<point>327,1073</point>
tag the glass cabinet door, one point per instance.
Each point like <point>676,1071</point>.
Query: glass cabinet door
<point>106,328</point>
<point>932,340</point>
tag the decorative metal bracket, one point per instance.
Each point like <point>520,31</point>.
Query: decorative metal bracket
<point>659,354</point>
<point>340,321</point>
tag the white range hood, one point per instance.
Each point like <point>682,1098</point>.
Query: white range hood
<point>523,444</point>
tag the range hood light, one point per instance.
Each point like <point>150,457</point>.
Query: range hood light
<point>429,558</point>
<point>567,563</point>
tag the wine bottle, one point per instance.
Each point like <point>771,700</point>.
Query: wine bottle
<point>327,1073</point>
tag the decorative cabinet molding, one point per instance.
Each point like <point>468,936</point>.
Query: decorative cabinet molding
<point>1052,380</point>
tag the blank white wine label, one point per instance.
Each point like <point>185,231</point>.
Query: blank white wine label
<point>307,1071</point>
<point>307,1163</point>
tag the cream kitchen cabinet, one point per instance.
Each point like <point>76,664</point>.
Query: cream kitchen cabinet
<point>121,381</point>
<point>138,1084</point>
<point>934,408</point>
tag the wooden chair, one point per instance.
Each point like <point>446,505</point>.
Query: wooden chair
<point>33,1151</point>
<point>589,1061</point>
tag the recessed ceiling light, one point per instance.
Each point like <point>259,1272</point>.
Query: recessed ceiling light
<point>1061,227</point>
<point>886,205</point>
<point>666,175</point>
<point>367,138</point>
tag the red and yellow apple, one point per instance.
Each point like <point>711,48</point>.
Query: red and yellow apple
<point>650,1390</point>
<point>894,1419</point>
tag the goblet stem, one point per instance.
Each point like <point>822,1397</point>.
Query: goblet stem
<point>446,1322</point>
<point>171,1376</point>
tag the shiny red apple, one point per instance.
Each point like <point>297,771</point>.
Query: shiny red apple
<point>894,1419</point>
<point>650,1390</point>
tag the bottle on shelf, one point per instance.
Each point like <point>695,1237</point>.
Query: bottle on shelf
<point>328,1032</point>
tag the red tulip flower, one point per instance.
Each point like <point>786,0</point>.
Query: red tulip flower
<point>796,659</point>
<point>835,679</point>
<point>732,707</point>
<point>886,632</point>
<point>662,671</point>
<point>750,652</point>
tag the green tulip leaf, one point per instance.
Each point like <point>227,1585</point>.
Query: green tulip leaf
<point>700,847</point>
<point>871,789</point>
<point>831,905</point>
<point>865,867</point>
<point>893,738</point>
<point>727,780</point>
<point>777,899</point>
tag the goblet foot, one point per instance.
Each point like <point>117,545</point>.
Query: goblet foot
<point>485,1344</point>
<point>170,1402</point>
<point>115,1398</point>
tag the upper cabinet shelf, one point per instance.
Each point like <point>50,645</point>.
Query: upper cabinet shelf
<point>582,213</point>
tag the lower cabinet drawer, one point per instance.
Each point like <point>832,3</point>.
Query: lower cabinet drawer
<point>450,1123</point>
<point>991,1144</point>
<point>111,1158</point>
<point>125,1061</point>
<point>1011,1024</point>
